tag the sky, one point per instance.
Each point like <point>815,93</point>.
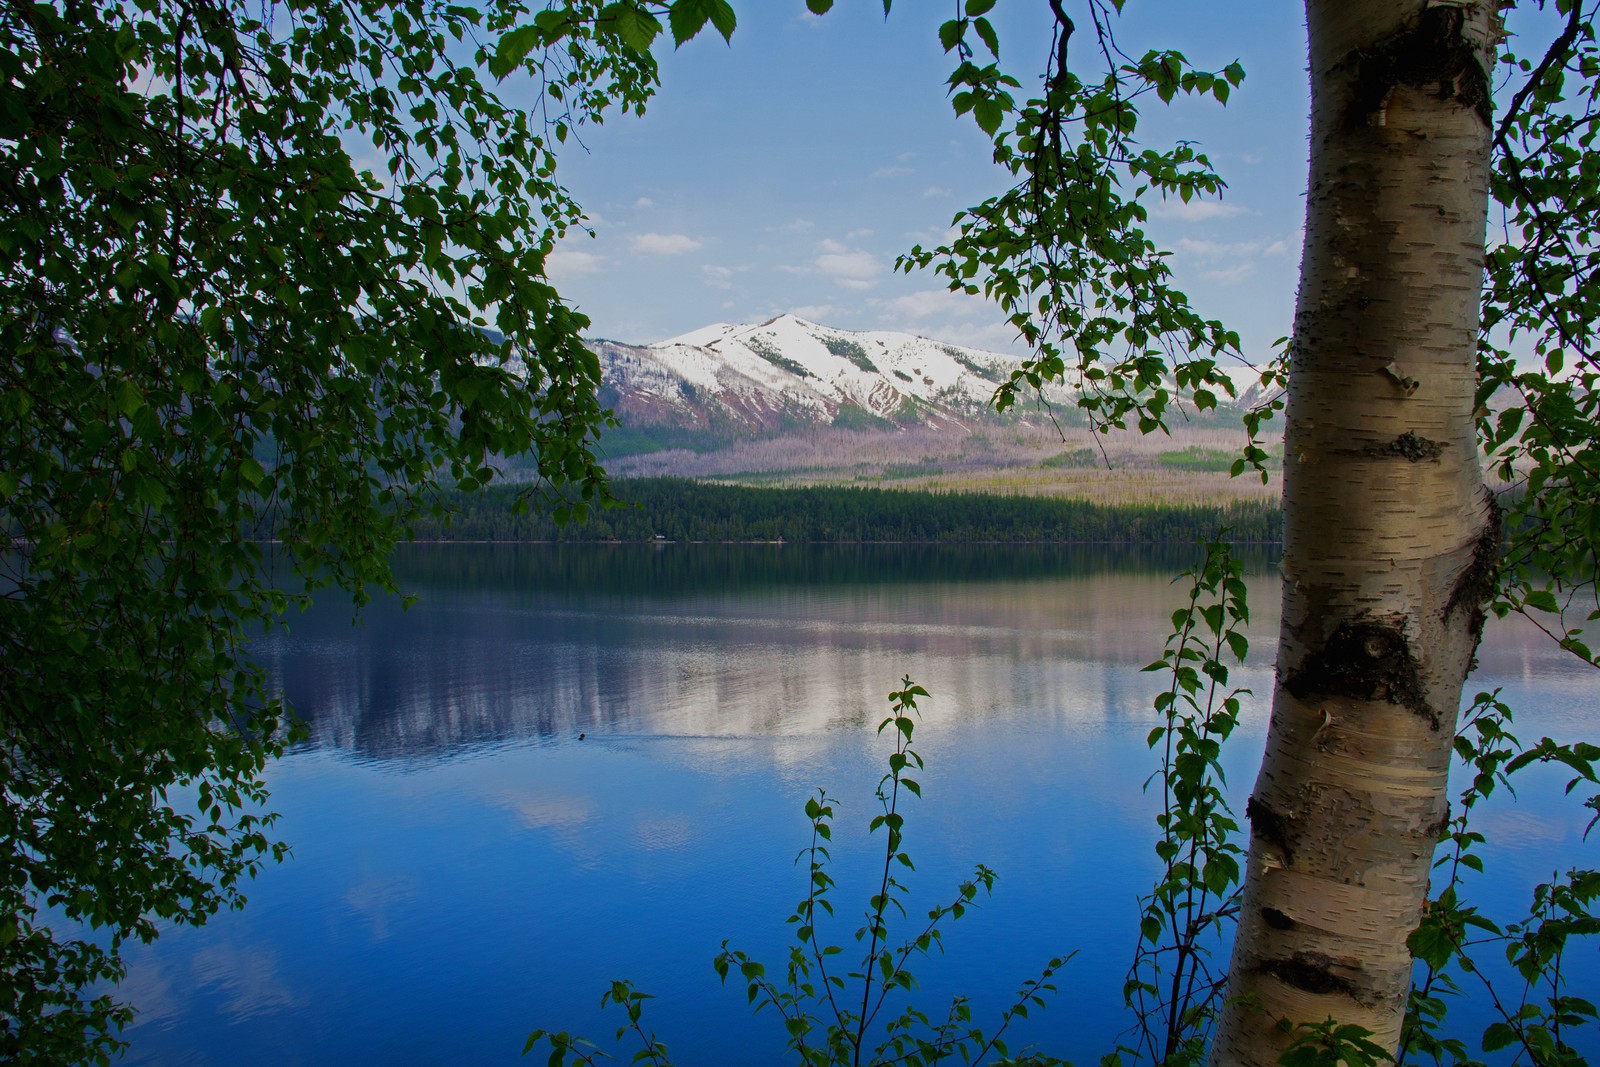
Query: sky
<point>785,171</point>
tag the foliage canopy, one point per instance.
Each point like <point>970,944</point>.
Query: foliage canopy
<point>283,260</point>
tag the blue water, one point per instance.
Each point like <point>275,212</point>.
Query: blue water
<point>465,868</point>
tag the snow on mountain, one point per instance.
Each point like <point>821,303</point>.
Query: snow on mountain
<point>788,372</point>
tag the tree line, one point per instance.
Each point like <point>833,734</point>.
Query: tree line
<point>678,509</point>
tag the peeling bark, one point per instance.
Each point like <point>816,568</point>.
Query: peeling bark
<point>1388,541</point>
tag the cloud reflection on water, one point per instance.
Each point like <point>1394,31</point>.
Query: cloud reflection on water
<point>533,660</point>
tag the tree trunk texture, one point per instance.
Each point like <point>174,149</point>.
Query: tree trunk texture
<point>1389,534</point>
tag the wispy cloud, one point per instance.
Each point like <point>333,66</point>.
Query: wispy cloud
<point>926,304</point>
<point>1231,275</point>
<point>644,202</point>
<point>717,277</point>
<point>1195,210</point>
<point>571,263</point>
<point>665,244</point>
<point>847,266</point>
<point>1214,249</point>
<point>795,226</point>
<point>815,312</point>
<point>1231,262</point>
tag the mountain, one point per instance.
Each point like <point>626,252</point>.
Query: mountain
<point>789,401</point>
<point>733,381</point>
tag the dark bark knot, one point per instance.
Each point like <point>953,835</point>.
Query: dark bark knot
<point>1477,583</point>
<point>1276,919</point>
<point>1430,53</point>
<point>1273,827</point>
<point>1410,446</point>
<point>1366,660</point>
<point>1309,971</point>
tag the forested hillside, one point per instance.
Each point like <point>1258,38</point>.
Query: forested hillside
<point>683,510</point>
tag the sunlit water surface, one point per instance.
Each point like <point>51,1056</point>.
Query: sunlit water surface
<point>466,868</point>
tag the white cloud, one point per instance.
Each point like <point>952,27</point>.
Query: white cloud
<point>933,238</point>
<point>1215,249</point>
<point>1231,275</point>
<point>1195,210</point>
<point>1257,249</point>
<point>815,312</point>
<point>571,263</point>
<point>929,303</point>
<point>644,202</point>
<point>935,191</point>
<point>892,172</point>
<point>797,226</point>
<point>856,235</point>
<point>852,268</point>
<point>665,244</point>
<point>988,337</point>
<point>1231,262</point>
<point>717,277</point>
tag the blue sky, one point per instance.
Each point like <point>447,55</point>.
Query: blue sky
<point>786,171</point>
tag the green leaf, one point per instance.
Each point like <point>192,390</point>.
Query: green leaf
<point>686,18</point>
<point>636,27</point>
<point>514,47</point>
<point>1542,600</point>
<point>724,19</point>
<point>987,35</point>
<point>989,113</point>
<point>251,472</point>
<point>950,35</point>
<point>1498,1036</point>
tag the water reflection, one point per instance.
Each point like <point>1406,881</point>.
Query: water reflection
<point>465,868</point>
<point>714,641</point>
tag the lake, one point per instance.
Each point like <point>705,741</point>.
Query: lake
<point>566,765</point>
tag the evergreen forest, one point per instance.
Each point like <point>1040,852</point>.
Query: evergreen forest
<point>676,509</point>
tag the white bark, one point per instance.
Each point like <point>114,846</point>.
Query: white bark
<point>1387,525</point>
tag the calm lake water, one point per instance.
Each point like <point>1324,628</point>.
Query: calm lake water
<point>465,868</point>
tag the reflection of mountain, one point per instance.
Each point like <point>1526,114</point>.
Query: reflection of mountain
<point>514,647</point>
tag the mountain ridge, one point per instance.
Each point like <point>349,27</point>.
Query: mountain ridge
<point>790,401</point>
<point>754,380</point>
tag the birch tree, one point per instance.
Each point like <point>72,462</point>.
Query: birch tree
<point>1390,538</point>
<point>1392,541</point>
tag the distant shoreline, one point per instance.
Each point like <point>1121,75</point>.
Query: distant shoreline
<point>683,511</point>
<point>446,541</point>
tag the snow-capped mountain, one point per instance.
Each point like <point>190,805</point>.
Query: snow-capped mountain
<point>798,402</point>
<point>738,380</point>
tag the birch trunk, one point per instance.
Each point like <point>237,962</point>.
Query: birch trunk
<point>1389,533</point>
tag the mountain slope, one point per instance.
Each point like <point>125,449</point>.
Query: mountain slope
<point>750,381</point>
<point>792,402</point>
